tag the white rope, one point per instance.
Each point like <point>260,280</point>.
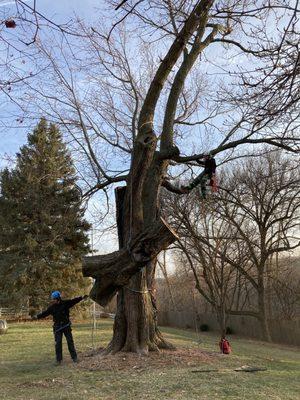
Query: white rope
<point>137,291</point>
<point>94,326</point>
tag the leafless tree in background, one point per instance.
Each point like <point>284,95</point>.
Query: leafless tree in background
<point>221,283</point>
<point>283,289</point>
<point>255,217</point>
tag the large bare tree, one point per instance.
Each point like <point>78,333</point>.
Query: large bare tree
<point>151,87</point>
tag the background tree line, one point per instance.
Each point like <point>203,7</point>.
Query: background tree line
<point>240,247</point>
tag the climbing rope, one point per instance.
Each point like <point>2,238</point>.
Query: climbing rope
<point>138,291</point>
<point>94,326</point>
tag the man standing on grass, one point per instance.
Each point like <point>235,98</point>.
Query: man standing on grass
<point>60,311</point>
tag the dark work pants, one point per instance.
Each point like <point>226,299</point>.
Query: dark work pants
<point>200,179</point>
<point>58,335</point>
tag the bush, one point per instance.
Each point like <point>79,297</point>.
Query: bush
<point>204,328</point>
<point>3,327</point>
<point>229,331</point>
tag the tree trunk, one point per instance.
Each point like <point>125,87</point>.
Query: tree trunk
<point>262,312</point>
<point>221,316</point>
<point>142,232</point>
<point>135,326</point>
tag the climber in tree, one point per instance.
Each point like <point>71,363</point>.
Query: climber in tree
<point>60,311</point>
<point>208,174</point>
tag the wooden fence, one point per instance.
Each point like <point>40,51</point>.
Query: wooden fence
<point>10,314</point>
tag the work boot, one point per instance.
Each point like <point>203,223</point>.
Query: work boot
<point>75,360</point>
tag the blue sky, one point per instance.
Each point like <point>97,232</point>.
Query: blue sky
<point>12,139</point>
<point>59,11</point>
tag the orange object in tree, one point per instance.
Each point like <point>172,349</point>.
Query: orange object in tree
<point>213,183</point>
<point>225,346</point>
<point>10,23</point>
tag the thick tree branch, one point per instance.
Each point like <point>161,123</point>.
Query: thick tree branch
<point>189,60</point>
<point>113,271</point>
<point>147,112</point>
<point>271,141</point>
<point>103,185</point>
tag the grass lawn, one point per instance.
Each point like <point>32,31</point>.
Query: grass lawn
<point>27,369</point>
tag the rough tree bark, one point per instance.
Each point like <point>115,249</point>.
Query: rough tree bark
<point>142,232</point>
<point>135,325</point>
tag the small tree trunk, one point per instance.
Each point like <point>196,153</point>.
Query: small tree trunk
<point>221,317</point>
<point>262,311</point>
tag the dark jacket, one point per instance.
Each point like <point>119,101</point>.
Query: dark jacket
<point>60,311</point>
<point>209,166</point>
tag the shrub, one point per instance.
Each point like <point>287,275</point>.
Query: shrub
<point>204,328</point>
<point>229,331</point>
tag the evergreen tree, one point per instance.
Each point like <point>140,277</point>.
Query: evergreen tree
<point>43,232</point>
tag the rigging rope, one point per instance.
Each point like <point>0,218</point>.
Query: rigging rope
<point>137,291</point>
<point>94,326</point>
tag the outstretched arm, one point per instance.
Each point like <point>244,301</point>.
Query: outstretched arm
<point>73,302</point>
<point>45,313</point>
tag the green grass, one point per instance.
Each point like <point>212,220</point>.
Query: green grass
<point>27,370</point>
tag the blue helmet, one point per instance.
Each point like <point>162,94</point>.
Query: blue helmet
<point>55,295</point>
